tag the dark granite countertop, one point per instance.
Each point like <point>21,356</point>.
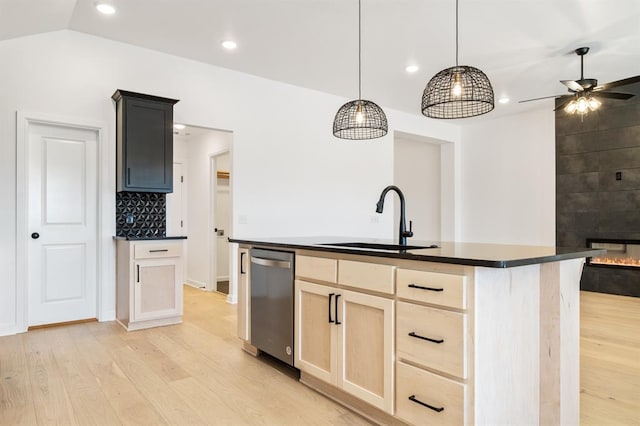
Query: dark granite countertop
<point>470,254</point>
<point>134,238</point>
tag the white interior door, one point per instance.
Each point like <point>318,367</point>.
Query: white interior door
<point>175,214</point>
<point>62,223</point>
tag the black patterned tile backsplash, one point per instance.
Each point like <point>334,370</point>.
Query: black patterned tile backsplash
<point>147,214</point>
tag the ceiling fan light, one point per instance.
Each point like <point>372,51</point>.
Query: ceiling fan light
<point>594,103</point>
<point>571,108</point>
<point>582,105</point>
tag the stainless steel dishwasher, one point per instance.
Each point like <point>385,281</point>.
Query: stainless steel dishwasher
<point>272,303</point>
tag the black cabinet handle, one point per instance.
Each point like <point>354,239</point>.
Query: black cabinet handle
<point>425,288</point>
<point>337,322</point>
<point>158,251</point>
<point>35,235</point>
<point>413,398</point>
<point>417,336</point>
<point>138,273</point>
<point>242,271</point>
<point>331,321</point>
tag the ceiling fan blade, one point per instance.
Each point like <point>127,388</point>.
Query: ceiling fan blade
<point>545,97</point>
<point>614,95</point>
<point>618,83</point>
<point>573,85</point>
<point>562,104</point>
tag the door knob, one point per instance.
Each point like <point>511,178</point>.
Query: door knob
<point>35,235</point>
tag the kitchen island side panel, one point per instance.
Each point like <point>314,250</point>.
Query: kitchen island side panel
<point>507,342</point>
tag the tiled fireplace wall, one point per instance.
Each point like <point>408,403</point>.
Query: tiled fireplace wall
<point>598,185</point>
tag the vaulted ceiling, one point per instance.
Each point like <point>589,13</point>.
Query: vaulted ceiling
<point>524,46</point>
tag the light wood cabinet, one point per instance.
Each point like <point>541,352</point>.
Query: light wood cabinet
<point>149,283</point>
<point>346,339</point>
<point>244,296</point>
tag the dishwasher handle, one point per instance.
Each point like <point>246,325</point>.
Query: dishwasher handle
<point>271,262</point>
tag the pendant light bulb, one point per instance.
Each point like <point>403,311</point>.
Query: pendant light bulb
<point>359,114</point>
<point>456,89</point>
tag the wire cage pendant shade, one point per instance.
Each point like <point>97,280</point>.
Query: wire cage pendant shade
<point>458,92</point>
<point>360,119</point>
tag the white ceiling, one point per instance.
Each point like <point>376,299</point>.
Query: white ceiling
<point>524,46</point>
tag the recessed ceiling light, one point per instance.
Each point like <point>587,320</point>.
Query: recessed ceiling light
<point>229,44</point>
<point>412,68</point>
<point>105,8</point>
<point>178,126</point>
<point>504,100</point>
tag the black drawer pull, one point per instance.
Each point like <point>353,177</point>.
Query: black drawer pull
<point>331,321</point>
<point>417,336</point>
<point>158,251</point>
<point>337,322</point>
<point>413,398</point>
<point>425,288</point>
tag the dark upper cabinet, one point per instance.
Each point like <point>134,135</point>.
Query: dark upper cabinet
<point>144,141</point>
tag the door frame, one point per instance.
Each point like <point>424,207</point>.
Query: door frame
<point>104,211</point>
<point>213,245</point>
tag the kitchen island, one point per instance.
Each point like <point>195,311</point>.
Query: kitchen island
<point>455,334</point>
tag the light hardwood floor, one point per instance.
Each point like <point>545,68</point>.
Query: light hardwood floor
<point>196,373</point>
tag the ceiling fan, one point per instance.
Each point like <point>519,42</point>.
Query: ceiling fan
<point>582,93</point>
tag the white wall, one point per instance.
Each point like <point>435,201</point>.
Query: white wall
<point>199,150</point>
<point>292,177</point>
<point>416,171</point>
<point>508,180</point>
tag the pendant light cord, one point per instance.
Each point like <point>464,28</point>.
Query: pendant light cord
<point>360,49</point>
<point>456,33</point>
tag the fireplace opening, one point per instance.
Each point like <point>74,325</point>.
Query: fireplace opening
<point>620,253</point>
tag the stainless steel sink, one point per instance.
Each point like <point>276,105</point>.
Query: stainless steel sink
<point>375,246</point>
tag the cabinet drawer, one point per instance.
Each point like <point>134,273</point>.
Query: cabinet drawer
<point>433,287</point>
<point>317,268</point>
<point>151,251</point>
<point>415,386</point>
<point>447,348</point>
<point>369,276</point>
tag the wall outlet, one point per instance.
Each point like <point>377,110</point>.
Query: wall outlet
<point>243,219</point>
<point>374,218</point>
<point>618,175</point>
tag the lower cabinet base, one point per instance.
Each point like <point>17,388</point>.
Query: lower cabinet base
<point>250,349</point>
<point>356,405</point>
<point>140,325</point>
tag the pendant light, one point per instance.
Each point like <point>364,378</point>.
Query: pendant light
<point>457,92</point>
<point>360,119</point>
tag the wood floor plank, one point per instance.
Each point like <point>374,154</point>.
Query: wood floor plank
<point>90,404</point>
<point>196,373</point>
<point>16,399</point>
<point>129,404</point>
<point>50,398</point>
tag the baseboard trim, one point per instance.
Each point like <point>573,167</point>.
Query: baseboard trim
<point>196,284</point>
<point>60,324</point>
<point>354,404</point>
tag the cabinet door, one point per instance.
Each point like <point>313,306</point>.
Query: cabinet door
<point>148,146</point>
<point>366,348</point>
<point>244,298</point>
<point>157,292</point>
<point>315,330</point>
